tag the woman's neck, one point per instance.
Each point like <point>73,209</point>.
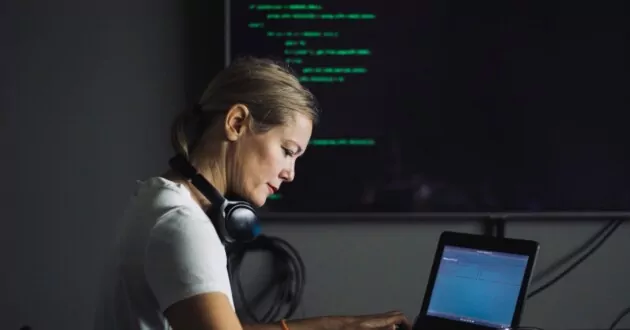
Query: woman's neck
<point>197,196</point>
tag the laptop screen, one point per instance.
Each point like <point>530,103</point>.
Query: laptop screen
<point>475,286</point>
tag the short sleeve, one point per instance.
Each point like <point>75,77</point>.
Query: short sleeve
<point>184,257</point>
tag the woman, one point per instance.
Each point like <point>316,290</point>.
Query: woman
<point>169,267</point>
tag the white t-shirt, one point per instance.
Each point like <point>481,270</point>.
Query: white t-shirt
<point>167,250</point>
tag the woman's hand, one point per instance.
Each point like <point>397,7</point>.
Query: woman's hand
<point>385,321</point>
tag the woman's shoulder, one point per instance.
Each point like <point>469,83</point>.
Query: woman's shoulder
<point>172,214</point>
<point>186,222</point>
<point>166,202</point>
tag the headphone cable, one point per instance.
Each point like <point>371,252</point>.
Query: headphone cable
<point>288,280</point>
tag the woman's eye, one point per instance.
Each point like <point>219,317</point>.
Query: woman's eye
<point>288,152</point>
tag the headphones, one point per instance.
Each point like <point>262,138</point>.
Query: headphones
<point>235,221</point>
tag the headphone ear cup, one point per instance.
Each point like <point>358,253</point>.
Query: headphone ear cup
<point>241,221</point>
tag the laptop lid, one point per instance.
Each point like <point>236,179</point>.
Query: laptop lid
<point>477,282</point>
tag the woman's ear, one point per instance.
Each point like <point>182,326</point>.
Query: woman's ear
<point>236,121</point>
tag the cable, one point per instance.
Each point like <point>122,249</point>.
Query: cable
<point>488,227</point>
<point>620,317</point>
<point>564,260</point>
<point>500,228</point>
<point>495,227</point>
<point>288,281</point>
<point>594,249</point>
<point>615,224</point>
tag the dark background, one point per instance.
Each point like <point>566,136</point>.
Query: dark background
<point>88,91</point>
<point>491,106</point>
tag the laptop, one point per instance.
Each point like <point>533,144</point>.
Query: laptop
<point>477,282</point>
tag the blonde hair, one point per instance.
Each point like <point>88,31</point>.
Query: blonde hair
<point>270,90</point>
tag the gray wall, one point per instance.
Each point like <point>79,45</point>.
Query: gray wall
<point>88,90</point>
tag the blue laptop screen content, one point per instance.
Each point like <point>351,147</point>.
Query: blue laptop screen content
<point>479,287</point>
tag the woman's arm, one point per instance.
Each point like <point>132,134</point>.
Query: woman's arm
<point>214,312</point>
<point>391,320</point>
<point>318,323</point>
<point>206,311</point>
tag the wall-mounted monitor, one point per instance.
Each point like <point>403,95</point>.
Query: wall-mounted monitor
<point>433,106</point>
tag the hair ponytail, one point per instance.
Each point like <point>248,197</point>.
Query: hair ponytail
<point>181,138</point>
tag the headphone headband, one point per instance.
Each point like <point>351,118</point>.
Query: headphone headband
<point>184,167</point>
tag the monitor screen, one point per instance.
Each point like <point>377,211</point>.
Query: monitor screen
<point>431,106</point>
<point>480,287</point>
